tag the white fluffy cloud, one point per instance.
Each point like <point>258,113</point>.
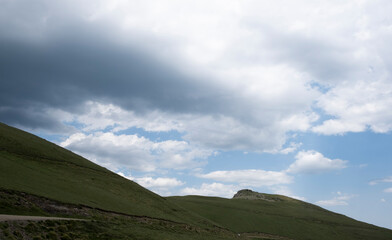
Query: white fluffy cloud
<point>111,151</point>
<point>99,116</point>
<point>158,182</point>
<point>134,152</point>
<point>362,99</point>
<point>356,107</point>
<point>160,185</point>
<point>211,189</point>
<point>219,131</point>
<point>255,178</point>
<point>309,162</point>
<point>339,200</point>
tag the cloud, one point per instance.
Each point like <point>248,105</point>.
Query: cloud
<point>134,152</point>
<point>37,117</point>
<point>340,200</point>
<point>158,182</point>
<point>363,165</point>
<point>251,177</point>
<point>100,116</point>
<point>211,189</point>
<point>307,162</point>
<point>310,162</point>
<point>388,190</point>
<point>227,78</point>
<point>291,148</point>
<point>203,110</point>
<point>382,180</point>
<point>357,107</point>
<point>159,185</point>
<point>112,151</point>
<point>148,69</point>
<point>214,132</point>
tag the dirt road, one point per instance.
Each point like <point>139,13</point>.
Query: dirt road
<point>4,218</point>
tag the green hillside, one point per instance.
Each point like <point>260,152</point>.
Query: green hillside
<point>33,165</point>
<point>40,178</point>
<point>282,216</point>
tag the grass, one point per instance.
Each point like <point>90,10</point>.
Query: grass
<point>34,171</point>
<point>114,228</point>
<point>99,224</point>
<point>15,205</point>
<point>290,218</point>
<point>33,165</point>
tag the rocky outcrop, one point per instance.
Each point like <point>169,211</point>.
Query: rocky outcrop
<point>249,194</point>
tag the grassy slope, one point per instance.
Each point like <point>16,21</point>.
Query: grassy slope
<point>289,217</point>
<point>119,228</point>
<point>100,224</point>
<point>33,165</point>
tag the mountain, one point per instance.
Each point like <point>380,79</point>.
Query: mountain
<point>33,165</point>
<point>262,215</point>
<point>38,177</point>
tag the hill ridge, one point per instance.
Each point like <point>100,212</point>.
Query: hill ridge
<point>36,166</point>
<point>32,165</point>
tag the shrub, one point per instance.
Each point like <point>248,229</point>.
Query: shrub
<point>52,235</point>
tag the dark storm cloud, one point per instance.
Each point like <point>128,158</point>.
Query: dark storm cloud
<point>64,71</point>
<point>68,71</point>
<point>33,118</point>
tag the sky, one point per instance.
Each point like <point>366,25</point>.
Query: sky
<point>210,97</point>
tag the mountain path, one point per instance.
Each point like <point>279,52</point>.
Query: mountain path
<point>259,235</point>
<point>4,217</point>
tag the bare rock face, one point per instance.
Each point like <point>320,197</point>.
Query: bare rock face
<point>249,194</point>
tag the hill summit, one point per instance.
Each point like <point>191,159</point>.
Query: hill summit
<point>252,195</point>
